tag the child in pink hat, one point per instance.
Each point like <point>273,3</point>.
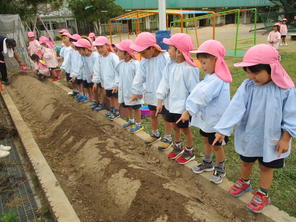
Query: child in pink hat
<point>284,31</point>
<point>92,36</point>
<point>84,48</point>
<point>64,53</point>
<point>179,79</point>
<point>34,46</point>
<point>127,69</point>
<point>40,67</point>
<point>264,112</point>
<point>146,83</point>
<point>107,75</point>
<point>206,104</point>
<point>274,36</point>
<point>50,57</point>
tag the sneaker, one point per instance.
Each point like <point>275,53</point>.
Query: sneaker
<point>136,129</point>
<point>153,139</point>
<point>54,79</point>
<point>218,175</point>
<point>176,152</point>
<point>84,99</point>
<point>4,153</point>
<point>73,93</point>
<point>239,188</point>
<point>286,44</point>
<point>164,144</point>
<point>258,202</point>
<point>5,82</point>
<point>128,124</point>
<point>204,166</point>
<point>93,105</point>
<point>99,107</point>
<point>108,114</point>
<point>185,157</point>
<point>5,148</point>
<point>114,116</point>
<point>79,97</point>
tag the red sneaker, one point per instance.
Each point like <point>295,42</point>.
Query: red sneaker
<point>185,157</point>
<point>54,79</point>
<point>259,201</point>
<point>239,188</point>
<point>177,151</point>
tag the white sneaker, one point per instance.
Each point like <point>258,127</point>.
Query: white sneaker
<point>286,44</point>
<point>281,44</point>
<point>5,148</point>
<point>4,153</point>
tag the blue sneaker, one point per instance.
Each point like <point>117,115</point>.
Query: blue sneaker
<point>84,99</point>
<point>128,124</point>
<point>136,129</point>
<point>93,106</point>
<point>78,98</point>
<point>99,107</point>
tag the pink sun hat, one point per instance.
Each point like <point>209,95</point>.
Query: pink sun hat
<point>63,30</point>
<point>215,48</point>
<point>184,44</point>
<point>266,54</point>
<point>101,40</point>
<point>125,46</point>
<point>83,43</point>
<point>46,41</point>
<point>76,37</point>
<point>66,34</point>
<point>31,34</point>
<point>143,41</point>
<point>91,35</point>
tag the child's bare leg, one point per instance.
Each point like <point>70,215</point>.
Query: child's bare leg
<point>246,169</point>
<point>188,136</point>
<point>130,113</point>
<point>219,151</point>
<point>177,133</point>
<point>266,176</point>
<point>138,115</point>
<point>167,128</point>
<point>154,121</point>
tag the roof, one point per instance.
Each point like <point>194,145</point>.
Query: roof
<point>151,4</point>
<point>146,13</point>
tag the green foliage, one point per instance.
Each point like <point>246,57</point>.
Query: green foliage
<point>93,10</point>
<point>26,8</point>
<point>9,217</point>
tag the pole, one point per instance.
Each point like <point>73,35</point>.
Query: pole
<point>162,14</point>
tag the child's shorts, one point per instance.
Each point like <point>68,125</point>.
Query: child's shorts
<point>283,36</point>
<point>211,138</point>
<point>78,81</point>
<point>86,84</point>
<point>135,107</point>
<point>276,164</point>
<point>52,68</point>
<point>110,94</point>
<point>68,78</point>
<point>153,108</point>
<point>100,85</point>
<point>174,117</point>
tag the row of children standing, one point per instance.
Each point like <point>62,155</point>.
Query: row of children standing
<point>263,108</point>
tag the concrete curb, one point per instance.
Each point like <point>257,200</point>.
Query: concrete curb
<point>58,201</point>
<point>271,212</point>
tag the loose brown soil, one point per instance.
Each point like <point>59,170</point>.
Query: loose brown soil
<point>110,175</point>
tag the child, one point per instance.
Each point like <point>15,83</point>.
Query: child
<point>207,103</point>
<point>92,36</point>
<point>49,56</point>
<point>84,48</point>
<point>264,112</point>
<point>34,46</point>
<point>127,69</point>
<point>179,79</point>
<point>274,36</point>
<point>65,53</point>
<point>109,61</point>
<point>41,69</point>
<point>147,80</point>
<point>284,31</point>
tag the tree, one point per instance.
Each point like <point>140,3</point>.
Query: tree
<point>94,11</point>
<point>289,7</point>
<point>27,9</point>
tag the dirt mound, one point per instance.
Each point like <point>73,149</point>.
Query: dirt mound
<point>108,174</point>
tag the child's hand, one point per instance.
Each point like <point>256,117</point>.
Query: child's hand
<point>219,138</point>
<point>282,147</point>
<point>136,97</point>
<point>73,79</point>
<point>158,107</point>
<point>115,90</point>
<point>184,117</point>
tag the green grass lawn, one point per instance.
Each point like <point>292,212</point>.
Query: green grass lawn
<point>283,190</point>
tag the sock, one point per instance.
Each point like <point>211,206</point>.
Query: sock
<point>168,137</point>
<point>264,191</point>
<point>138,124</point>
<point>248,181</point>
<point>220,165</point>
<point>156,133</point>
<point>132,120</point>
<point>189,150</point>
<point>208,158</point>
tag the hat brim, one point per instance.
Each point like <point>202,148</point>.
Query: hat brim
<point>244,64</point>
<point>119,47</point>
<point>167,41</point>
<point>138,48</point>
<point>98,44</point>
